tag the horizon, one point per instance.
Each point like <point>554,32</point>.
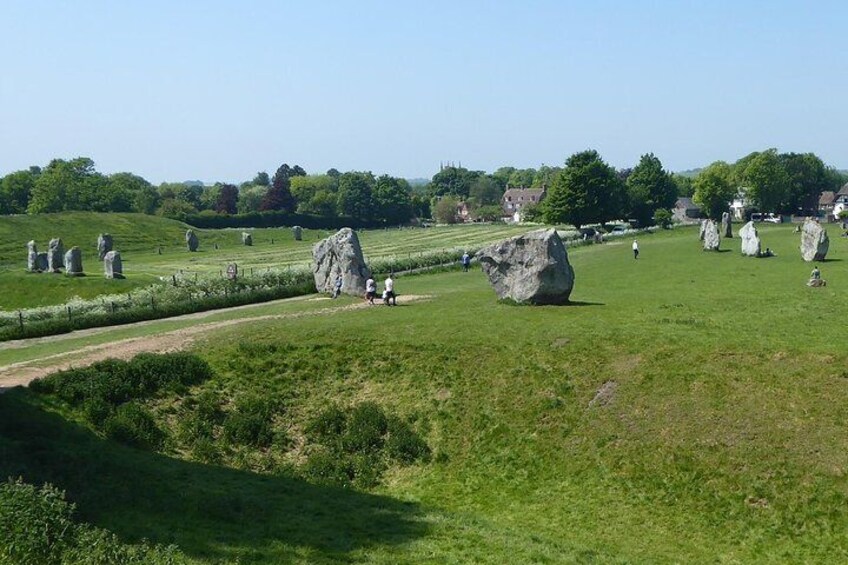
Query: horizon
<point>218,93</point>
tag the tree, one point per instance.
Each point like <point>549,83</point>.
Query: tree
<point>227,202</point>
<point>355,195</point>
<point>808,178</point>
<point>391,200</point>
<point>453,180</point>
<point>322,203</point>
<point>649,188</point>
<point>765,180</point>
<point>306,187</point>
<point>261,179</point>
<point>444,210</point>
<point>586,191</point>
<point>522,177</point>
<point>714,189</point>
<point>545,176</point>
<point>16,190</point>
<point>663,218</point>
<point>501,176</point>
<point>65,185</point>
<point>683,183</point>
<point>250,199</point>
<point>485,191</point>
<point>279,196</point>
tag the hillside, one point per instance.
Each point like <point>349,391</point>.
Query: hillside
<point>688,407</point>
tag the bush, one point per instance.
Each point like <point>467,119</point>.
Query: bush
<point>404,445</point>
<point>133,425</point>
<point>324,466</point>
<point>37,527</point>
<point>663,218</point>
<point>250,423</point>
<point>328,426</point>
<point>366,427</point>
<point>35,524</point>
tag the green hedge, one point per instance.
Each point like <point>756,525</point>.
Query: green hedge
<point>276,220</point>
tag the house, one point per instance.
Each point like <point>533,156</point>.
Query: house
<point>463,212</point>
<point>514,199</point>
<point>840,201</point>
<point>686,211</point>
<point>826,202</point>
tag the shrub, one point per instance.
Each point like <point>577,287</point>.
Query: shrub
<point>404,445</point>
<point>663,218</point>
<point>366,427</point>
<point>328,426</point>
<point>250,422</point>
<point>35,524</point>
<point>133,425</point>
<point>325,466</point>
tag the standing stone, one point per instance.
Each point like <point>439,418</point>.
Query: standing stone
<point>32,257</point>
<point>340,254</point>
<point>41,262</point>
<point>113,267</point>
<point>55,255</point>
<point>751,246</point>
<point>191,240</point>
<point>73,262</point>
<point>104,245</point>
<point>814,241</point>
<point>726,225</point>
<point>246,238</point>
<point>712,240</point>
<point>298,233</point>
<point>532,268</point>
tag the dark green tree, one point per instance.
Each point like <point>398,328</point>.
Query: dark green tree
<point>715,189</point>
<point>355,195</point>
<point>586,191</point>
<point>808,178</point>
<point>391,200</point>
<point>16,189</point>
<point>485,191</point>
<point>279,196</point>
<point>261,179</point>
<point>649,188</point>
<point>453,180</point>
<point>765,181</point>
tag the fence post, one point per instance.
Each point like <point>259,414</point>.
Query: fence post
<point>152,302</point>
<point>21,319</point>
<point>112,304</point>
<point>69,313</point>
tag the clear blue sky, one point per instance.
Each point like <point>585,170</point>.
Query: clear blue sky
<point>217,91</point>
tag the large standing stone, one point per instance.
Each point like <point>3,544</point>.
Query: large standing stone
<point>32,257</point>
<point>55,255</point>
<point>41,261</point>
<point>246,238</point>
<point>104,245</point>
<point>113,267</point>
<point>298,233</point>
<point>814,241</point>
<point>73,262</point>
<point>751,246</point>
<point>531,268</point>
<point>726,225</point>
<point>712,240</point>
<point>191,240</point>
<point>340,254</point>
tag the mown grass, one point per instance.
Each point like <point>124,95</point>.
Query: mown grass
<point>152,247</point>
<point>723,438</point>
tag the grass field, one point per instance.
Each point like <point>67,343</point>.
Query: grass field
<point>720,436</point>
<point>153,247</point>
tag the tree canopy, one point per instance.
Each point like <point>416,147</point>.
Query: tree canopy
<point>714,189</point>
<point>586,191</point>
<point>649,188</point>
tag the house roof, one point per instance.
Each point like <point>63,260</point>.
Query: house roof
<point>843,191</point>
<point>523,194</point>
<point>686,203</point>
<point>827,197</point>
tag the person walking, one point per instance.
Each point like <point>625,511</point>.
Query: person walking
<point>635,249</point>
<point>466,261</point>
<point>389,292</point>
<point>370,290</point>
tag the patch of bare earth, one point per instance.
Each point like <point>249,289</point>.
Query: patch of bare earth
<point>24,372</point>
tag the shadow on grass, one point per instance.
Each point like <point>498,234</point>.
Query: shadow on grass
<point>584,303</point>
<point>209,512</point>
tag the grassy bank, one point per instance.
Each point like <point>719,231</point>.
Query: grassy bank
<point>719,434</point>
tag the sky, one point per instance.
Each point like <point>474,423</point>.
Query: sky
<point>217,91</point>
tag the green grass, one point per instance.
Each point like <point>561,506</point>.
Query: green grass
<point>152,247</point>
<point>724,440</point>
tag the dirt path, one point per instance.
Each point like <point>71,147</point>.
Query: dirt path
<point>24,372</point>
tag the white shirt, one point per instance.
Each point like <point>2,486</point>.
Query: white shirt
<point>390,284</point>
<point>370,286</point>
<point>635,246</point>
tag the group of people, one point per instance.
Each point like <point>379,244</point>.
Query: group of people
<point>389,296</point>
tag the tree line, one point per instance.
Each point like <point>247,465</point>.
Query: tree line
<point>586,190</point>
